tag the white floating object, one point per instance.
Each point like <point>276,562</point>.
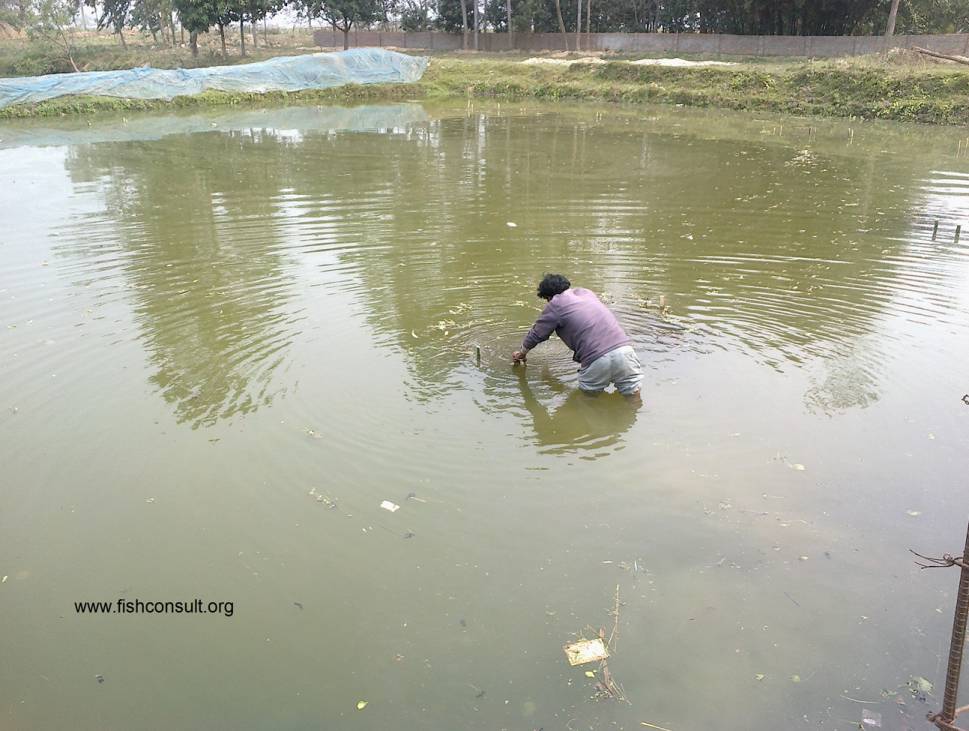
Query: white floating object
<point>585,651</point>
<point>511,224</point>
<point>392,507</point>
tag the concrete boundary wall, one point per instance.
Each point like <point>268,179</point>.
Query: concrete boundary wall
<point>701,43</point>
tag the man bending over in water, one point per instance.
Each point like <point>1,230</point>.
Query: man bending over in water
<point>588,327</point>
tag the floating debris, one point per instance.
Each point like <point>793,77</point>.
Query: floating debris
<point>585,651</point>
<point>392,507</point>
<point>361,705</point>
<point>511,224</point>
<point>653,725</point>
<point>913,513</point>
<point>870,719</point>
<point>759,676</point>
<point>413,496</point>
<point>99,678</point>
<point>299,605</point>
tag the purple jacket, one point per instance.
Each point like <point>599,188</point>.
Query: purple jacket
<point>582,322</point>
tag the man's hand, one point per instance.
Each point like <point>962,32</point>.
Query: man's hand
<point>519,356</point>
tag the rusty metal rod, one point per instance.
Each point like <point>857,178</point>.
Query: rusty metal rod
<point>958,641</point>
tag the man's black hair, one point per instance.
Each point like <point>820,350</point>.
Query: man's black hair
<point>551,285</point>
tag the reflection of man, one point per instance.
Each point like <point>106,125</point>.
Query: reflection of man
<point>579,422</point>
<point>587,326</point>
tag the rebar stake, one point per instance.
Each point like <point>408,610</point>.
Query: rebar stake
<point>946,718</point>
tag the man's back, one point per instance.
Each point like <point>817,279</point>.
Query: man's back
<point>583,323</point>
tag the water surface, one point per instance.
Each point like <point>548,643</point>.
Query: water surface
<point>227,337</point>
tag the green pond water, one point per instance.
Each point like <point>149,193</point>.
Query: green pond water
<point>227,337</point>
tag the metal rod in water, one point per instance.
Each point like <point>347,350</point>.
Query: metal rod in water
<point>958,641</point>
<point>477,354</point>
<point>958,232</point>
<point>935,230</point>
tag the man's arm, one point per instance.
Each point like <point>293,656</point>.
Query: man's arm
<point>541,331</point>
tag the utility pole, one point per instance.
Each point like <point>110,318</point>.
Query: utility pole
<point>511,34</point>
<point>578,25</point>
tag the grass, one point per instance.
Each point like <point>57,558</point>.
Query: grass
<point>900,87</point>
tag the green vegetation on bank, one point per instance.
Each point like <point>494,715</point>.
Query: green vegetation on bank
<point>872,88</point>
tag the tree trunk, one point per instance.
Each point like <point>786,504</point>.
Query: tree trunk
<point>265,31</point>
<point>154,36</point>
<point>511,34</point>
<point>464,26</point>
<point>171,27</point>
<point>242,35</point>
<point>346,38</point>
<point>83,19</point>
<point>193,41</point>
<point>588,25</point>
<point>565,36</point>
<point>225,51</point>
<point>253,29</point>
<point>124,43</point>
<point>475,24</point>
<point>892,14</point>
<point>578,25</point>
<point>181,30</point>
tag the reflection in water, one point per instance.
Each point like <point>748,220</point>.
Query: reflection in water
<point>439,227</point>
<point>592,422</point>
<point>201,260</point>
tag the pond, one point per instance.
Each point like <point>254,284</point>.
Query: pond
<point>228,337</point>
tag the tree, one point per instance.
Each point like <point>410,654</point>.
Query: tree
<point>16,13</point>
<point>892,15</point>
<point>415,15</point>
<point>558,12</point>
<point>114,15</point>
<point>52,25</point>
<point>196,16</point>
<point>344,14</point>
<point>464,25</point>
<point>146,16</point>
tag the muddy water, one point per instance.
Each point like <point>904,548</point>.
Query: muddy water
<point>227,338</point>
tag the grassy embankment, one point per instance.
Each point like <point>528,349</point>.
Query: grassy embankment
<point>900,88</point>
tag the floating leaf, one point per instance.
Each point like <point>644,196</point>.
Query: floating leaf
<point>921,684</point>
<point>795,678</point>
<point>361,705</point>
<point>590,673</point>
<point>759,676</point>
<point>913,513</point>
<point>798,467</point>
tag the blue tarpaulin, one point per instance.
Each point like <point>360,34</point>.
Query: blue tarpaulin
<point>286,73</point>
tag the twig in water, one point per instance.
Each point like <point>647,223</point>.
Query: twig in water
<point>855,700</point>
<point>615,625</point>
<point>653,725</point>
